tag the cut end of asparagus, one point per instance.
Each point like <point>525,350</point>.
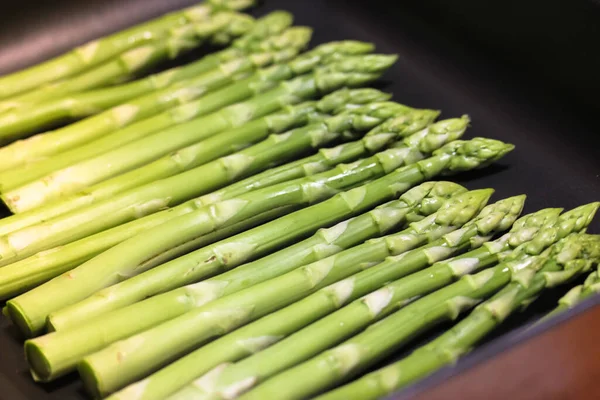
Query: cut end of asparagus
<point>19,319</point>
<point>89,378</point>
<point>41,370</point>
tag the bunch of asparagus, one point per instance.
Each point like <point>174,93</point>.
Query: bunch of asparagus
<point>255,224</point>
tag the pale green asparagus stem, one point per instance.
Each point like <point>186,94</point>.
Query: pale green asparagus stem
<point>73,135</point>
<point>340,363</point>
<point>454,157</point>
<point>324,243</point>
<point>287,46</point>
<point>578,294</point>
<point>133,153</point>
<point>282,323</point>
<point>571,257</point>
<point>310,136</point>
<point>278,292</point>
<point>98,51</point>
<point>30,272</point>
<point>121,68</point>
<point>122,295</point>
<point>147,199</point>
<point>525,238</point>
<point>87,103</point>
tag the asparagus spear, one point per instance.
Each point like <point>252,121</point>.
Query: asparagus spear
<point>579,293</point>
<point>455,157</point>
<point>68,180</point>
<point>569,257</point>
<point>25,120</point>
<point>355,317</point>
<point>98,51</point>
<point>311,139</point>
<point>294,317</point>
<point>184,92</point>
<point>132,62</point>
<point>345,360</point>
<point>292,286</point>
<point>291,41</point>
<point>185,128</point>
<point>28,273</point>
<point>122,294</point>
<point>326,242</point>
<point>172,194</point>
<point>82,104</point>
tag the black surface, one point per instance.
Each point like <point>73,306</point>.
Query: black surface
<point>524,73</point>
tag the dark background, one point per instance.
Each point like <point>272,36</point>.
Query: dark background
<point>525,71</point>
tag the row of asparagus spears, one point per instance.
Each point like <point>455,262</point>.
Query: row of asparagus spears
<point>255,224</point>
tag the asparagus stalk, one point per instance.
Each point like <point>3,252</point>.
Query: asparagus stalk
<point>579,293</point>
<point>323,244</point>
<point>244,87</point>
<point>25,120</point>
<point>98,51</point>
<point>76,177</point>
<point>131,63</point>
<point>284,188</point>
<point>83,104</point>
<point>275,293</point>
<point>352,319</point>
<point>175,189</point>
<point>569,257</point>
<point>347,359</point>
<point>284,322</point>
<point>123,295</point>
<point>455,157</point>
<point>60,231</point>
<point>186,128</point>
<point>291,41</point>
<point>28,273</point>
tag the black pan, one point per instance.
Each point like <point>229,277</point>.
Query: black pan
<point>526,73</point>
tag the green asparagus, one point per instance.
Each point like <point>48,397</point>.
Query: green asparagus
<point>30,272</point>
<point>98,51</point>
<point>454,157</point>
<point>82,104</point>
<point>355,317</point>
<point>154,196</point>
<point>187,127</point>
<point>25,120</point>
<point>294,317</point>
<point>122,294</point>
<point>569,257</point>
<point>273,294</point>
<point>347,359</point>
<point>326,243</point>
<point>576,295</point>
<point>312,137</point>
<point>185,92</point>
<point>76,177</point>
<point>125,66</point>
